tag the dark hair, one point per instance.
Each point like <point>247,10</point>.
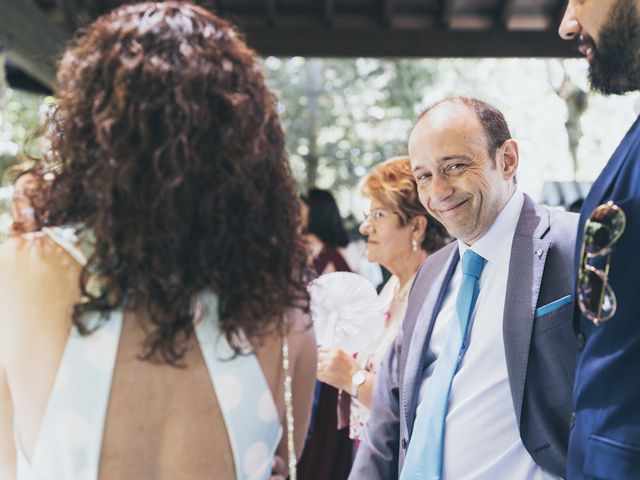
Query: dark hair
<point>170,153</point>
<point>324,218</point>
<point>392,184</point>
<point>492,120</point>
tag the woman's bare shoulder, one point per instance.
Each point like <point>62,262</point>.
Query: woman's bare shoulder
<point>18,255</point>
<point>37,278</point>
<point>33,257</point>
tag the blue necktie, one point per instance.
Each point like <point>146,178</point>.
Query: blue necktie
<point>424,456</point>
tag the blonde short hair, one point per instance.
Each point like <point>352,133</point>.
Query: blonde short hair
<point>393,185</point>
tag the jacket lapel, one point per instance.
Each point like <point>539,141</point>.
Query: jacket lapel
<point>526,267</point>
<point>434,289</point>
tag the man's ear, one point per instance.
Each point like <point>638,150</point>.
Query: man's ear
<point>508,159</point>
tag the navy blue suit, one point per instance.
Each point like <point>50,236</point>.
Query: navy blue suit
<point>605,439</point>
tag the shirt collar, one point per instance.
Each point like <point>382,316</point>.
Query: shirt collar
<point>493,244</point>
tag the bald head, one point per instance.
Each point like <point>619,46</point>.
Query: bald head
<point>464,179</point>
<point>495,128</point>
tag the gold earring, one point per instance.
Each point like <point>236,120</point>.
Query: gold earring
<point>414,244</point>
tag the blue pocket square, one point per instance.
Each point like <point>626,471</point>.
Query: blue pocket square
<point>550,307</point>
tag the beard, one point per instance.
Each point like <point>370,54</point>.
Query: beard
<point>615,64</point>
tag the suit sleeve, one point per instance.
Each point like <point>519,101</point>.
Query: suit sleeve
<point>377,456</point>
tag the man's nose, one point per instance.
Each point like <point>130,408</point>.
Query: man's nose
<point>440,188</point>
<point>569,27</point>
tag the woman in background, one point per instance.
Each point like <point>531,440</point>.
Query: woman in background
<point>400,235</point>
<point>144,332</point>
<point>324,232</point>
<point>328,451</point>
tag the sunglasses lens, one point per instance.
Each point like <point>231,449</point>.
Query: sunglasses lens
<point>604,228</point>
<point>595,297</point>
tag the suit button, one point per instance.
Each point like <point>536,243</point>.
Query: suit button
<point>572,423</point>
<point>404,443</point>
<point>581,340</point>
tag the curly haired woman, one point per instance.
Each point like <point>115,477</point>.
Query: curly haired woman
<point>142,333</point>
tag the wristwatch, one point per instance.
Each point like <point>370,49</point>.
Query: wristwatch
<point>357,379</point>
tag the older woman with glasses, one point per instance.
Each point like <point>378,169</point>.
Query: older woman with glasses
<point>400,235</point>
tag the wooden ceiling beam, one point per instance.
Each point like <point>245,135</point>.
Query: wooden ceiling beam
<point>445,12</point>
<point>270,11</point>
<point>69,10</point>
<point>33,41</point>
<point>329,11</point>
<point>370,42</point>
<point>505,9</point>
<point>19,80</point>
<point>559,14</point>
<point>387,12</point>
<point>94,8</point>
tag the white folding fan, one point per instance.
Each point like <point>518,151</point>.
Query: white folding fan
<point>346,311</point>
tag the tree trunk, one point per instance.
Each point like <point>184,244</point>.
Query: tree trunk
<point>314,88</point>
<point>3,83</point>
<point>577,101</point>
<point>5,161</point>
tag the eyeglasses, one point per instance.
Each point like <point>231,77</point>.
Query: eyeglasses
<point>603,229</point>
<point>376,215</point>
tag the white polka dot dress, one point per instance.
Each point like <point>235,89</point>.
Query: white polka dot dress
<point>70,437</point>
<point>245,399</point>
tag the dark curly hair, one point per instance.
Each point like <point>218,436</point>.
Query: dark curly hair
<point>168,149</point>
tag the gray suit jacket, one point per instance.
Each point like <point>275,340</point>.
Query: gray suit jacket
<point>540,352</point>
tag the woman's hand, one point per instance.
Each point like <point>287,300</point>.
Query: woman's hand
<point>336,367</point>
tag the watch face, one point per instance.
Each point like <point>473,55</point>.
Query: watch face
<point>359,377</point>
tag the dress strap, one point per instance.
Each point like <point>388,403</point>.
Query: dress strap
<point>67,238</point>
<point>75,415</point>
<point>249,411</point>
<point>69,441</point>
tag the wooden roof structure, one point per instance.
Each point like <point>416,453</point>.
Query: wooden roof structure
<point>33,32</point>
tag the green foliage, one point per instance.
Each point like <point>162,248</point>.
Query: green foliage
<point>343,116</point>
<point>20,121</point>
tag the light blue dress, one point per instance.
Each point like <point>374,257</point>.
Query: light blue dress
<point>70,438</point>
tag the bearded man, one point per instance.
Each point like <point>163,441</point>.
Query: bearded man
<point>605,438</point>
